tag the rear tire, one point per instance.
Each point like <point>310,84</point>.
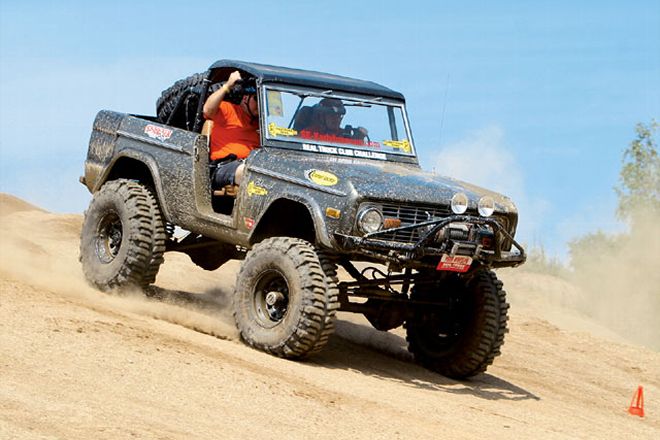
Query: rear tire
<point>123,237</point>
<point>462,339</point>
<point>286,298</point>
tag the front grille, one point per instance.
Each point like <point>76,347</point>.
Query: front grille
<point>413,214</point>
<point>409,215</point>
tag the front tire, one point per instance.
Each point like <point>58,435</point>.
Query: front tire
<point>123,237</point>
<point>461,337</point>
<point>286,298</point>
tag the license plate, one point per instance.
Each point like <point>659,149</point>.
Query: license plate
<point>457,263</point>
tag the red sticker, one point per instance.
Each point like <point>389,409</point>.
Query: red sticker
<point>249,222</point>
<point>457,263</point>
<point>156,132</point>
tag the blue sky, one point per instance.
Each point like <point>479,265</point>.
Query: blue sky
<point>536,100</point>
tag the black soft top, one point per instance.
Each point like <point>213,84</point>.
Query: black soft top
<point>221,69</point>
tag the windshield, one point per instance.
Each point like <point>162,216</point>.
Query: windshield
<point>316,119</point>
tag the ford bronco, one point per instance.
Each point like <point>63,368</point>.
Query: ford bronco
<point>418,249</point>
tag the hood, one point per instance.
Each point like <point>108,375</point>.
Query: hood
<point>370,179</point>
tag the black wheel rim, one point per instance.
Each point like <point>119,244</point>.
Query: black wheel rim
<point>441,328</point>
<point>108,238</point>
<point>271,298</point>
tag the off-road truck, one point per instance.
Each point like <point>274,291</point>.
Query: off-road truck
<point>418,249</point>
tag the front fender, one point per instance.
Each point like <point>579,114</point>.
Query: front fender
<point>315,212</point>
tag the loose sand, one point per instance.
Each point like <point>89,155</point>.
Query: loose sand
<point>76,363</point>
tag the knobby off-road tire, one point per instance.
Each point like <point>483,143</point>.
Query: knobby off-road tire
<point>286,298</point>
<point>461,340</point>
<point>190,90</point>
<point>123,237</point>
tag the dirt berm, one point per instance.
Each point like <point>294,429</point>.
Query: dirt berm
<point>79,364</point>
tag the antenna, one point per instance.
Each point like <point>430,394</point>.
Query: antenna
<point>444,107</point>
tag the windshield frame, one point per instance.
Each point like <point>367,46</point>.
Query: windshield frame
<point>314,146</point>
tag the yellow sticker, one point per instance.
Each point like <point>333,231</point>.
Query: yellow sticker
<point>332,212</point>
<point>254,190</point>
<point>275,107</point>
<point>401,145</point>
<point>276,130</point>
<point>323,178</point>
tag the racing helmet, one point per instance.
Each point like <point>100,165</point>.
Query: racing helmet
<point>332,106</point>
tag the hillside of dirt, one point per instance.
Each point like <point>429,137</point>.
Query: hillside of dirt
<point>76,363</point>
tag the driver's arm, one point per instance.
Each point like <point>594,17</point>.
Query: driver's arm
<point>212,104</point>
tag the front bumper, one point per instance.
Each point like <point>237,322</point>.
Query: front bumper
<point>428,244</point>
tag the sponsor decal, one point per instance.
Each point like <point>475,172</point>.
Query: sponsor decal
<point>249,222</point>
<point>457,263</point>
<point>254,190</point>
<point>274,100</point>
<point>344,151</point>
<point>275,130</point>
<point>323,178</point>
<point>321,137</point>
<point>156,132</point>
<point>400,145</point>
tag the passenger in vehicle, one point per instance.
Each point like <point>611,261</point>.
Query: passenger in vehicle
<point>234,134</point>
<point>327,117</point>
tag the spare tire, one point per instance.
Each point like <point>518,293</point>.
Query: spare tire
<point>178,104</point>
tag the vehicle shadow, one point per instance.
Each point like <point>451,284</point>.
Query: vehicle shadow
<point>384,355</point>
<point>362,349</point>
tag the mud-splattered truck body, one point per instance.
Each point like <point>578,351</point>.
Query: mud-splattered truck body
<point>309,201</point>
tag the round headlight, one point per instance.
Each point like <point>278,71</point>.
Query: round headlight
<point>370,220</point>
<point>459,203</point>
<point>486,206</point>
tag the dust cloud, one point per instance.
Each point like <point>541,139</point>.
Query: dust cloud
<point>41,249</point>
<point>621,282</point>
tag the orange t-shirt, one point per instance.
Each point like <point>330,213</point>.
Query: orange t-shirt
<point>233,132</point>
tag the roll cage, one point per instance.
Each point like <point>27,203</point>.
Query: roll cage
<point>263,73</point>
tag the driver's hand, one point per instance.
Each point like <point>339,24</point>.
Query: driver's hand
<point>363,131</point>
<point>235,76</point>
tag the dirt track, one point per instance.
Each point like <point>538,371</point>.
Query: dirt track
<point>79,364</point>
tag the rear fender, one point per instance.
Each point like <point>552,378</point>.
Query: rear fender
<point>135,165</point>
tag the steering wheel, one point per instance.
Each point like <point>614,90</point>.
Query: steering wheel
<point>358,133</point>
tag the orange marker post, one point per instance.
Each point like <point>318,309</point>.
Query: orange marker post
<point>637,403</point>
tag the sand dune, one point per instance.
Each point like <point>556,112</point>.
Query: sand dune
<point>79,364</point>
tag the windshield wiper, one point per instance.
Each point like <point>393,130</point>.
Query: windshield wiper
<point>357,104</point>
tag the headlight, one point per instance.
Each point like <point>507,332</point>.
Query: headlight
<point>459,203</point>
<point>486,206</point>
<point>370,220</point>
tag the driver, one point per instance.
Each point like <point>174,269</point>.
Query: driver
<point>234,134</point>
<point>328,114</point>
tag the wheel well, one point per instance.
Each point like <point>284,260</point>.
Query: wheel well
<point>285,218</point>
<point>128,168</point>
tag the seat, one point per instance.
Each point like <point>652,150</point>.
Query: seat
<point>303,118</point>
<point>206,130</point>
